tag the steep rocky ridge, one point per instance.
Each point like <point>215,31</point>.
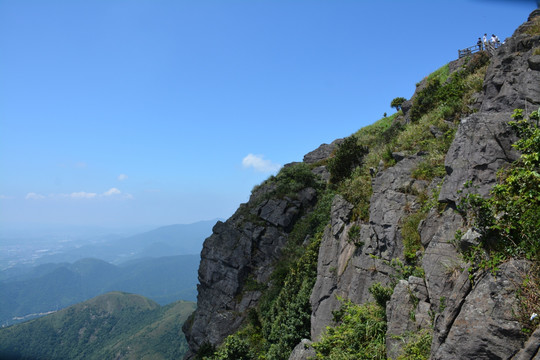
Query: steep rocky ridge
<point>245,246</point>
<point>467,319</point>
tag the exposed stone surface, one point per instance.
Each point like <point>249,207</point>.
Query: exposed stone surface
<point>303,351</point>
<point>441,261</point>
<point>407,312</point>
<point>322,152</point>
<point>347,270</point>
<point>531,350</point>
<point>481,146</point>
<point>484,325</point>
<point>237,249</point>
<point>469,239</point>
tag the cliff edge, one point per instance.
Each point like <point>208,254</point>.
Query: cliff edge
<point>386,216</point>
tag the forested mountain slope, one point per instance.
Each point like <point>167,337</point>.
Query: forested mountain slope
<point>111,326</point>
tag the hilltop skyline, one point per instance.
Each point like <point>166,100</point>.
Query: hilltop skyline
<point>154,113</point>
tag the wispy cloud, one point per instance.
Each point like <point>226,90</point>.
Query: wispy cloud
<point>122,177</point>
<point>82,195</point>
<point>4,197</point>
<point>34,196</point>
<point>111,191</point>
<point>258,163</point>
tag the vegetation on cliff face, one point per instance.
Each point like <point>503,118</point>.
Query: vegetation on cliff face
<point>508,221</point>
<point>360,334</point>
<point>282,317</point>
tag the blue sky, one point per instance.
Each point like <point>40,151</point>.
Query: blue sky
<point>123,113</point>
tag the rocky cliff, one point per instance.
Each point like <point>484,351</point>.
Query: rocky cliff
<point>467,313</point>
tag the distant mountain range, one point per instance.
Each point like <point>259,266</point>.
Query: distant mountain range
<point>50,287</point>
<point>115,325</point>
<point>178,239</point>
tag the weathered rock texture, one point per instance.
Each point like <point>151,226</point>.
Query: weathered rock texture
<point>245,246</point>
<point>468,320</point>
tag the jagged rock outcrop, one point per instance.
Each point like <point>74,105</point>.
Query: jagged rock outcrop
<point>468,319</point>
<point>244,247</point>
<point>477,321</point>
<point>481,324</point>
<point>346,268</point>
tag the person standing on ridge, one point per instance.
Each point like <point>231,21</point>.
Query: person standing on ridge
<point>479,44</point>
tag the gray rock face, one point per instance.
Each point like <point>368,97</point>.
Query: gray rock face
<point>303,351</point>
<point>323,152</point>
<point>244,246</point>
<point>481,146</point>
<point>348,270</point>
<point>441,261</point>
<point>531,350</point>
<point>484,325</point>
<point>407,312</point>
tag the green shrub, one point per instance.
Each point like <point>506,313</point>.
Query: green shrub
<point>425,100</point>
<point>418,346</point>
<point>360,334</point>
<point>349,155</point>
<point>381,294</point>
<point>534,28</point>
<point>233,348</point>
<point>294,178</point>
<point>410,235</point>
<point>353,236</point>
<point>288,320</point>
<point>357,190</point>
<point>206,350</point>
<point>450,91</point>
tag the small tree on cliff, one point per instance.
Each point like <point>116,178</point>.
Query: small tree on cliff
<point>397,102</point>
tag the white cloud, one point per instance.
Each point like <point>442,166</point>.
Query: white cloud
<point>34,196</point>
<point>112,191</point>
<point>259,164</point>
<point>122,177</point>
<point>82,195</point>
<point>4,197</point>
<point>79,195</point>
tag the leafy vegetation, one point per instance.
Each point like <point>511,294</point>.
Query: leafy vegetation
<point>397,102</point>
<point>534,28</point>
<point>360,334</point>
<point>349,155</point>
<point>448,91</point>
<point>417,346</point>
